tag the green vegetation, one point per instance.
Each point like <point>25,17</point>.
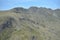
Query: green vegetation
<point>6,33</point>
<point>30,24</point>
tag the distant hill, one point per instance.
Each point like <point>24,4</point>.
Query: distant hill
<point>33,23</point>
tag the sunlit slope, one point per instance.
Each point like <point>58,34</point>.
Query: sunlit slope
<point>18,28</point>
<point>29,26</point>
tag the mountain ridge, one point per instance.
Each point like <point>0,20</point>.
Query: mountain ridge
<point>30,24</point>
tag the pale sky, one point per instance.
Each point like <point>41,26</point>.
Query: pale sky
<point>8,4</point>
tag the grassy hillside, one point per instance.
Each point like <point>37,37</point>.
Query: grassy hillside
<point>29,24</point>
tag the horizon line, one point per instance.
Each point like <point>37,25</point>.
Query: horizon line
<point>29,7</point>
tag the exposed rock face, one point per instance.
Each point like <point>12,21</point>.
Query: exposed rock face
<point>7,24</point>
<point>30,24</point>
<point>6,28</point>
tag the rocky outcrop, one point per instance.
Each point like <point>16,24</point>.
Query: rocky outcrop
<point>7,24</point>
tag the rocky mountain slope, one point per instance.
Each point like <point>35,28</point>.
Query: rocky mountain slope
<point>30,24</point>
